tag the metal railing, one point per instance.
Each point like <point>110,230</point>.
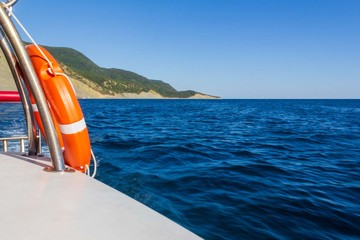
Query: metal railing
<point>21,67</point>
<point>21,140</point>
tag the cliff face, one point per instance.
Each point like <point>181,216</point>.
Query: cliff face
<point>92,81</point>
<point>6,79</point>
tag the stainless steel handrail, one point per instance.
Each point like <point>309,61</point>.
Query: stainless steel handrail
<point>21,139</point>
<point>30,75</point>
<point>11,60</point>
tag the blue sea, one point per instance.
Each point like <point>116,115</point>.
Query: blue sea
<point>232,169</point>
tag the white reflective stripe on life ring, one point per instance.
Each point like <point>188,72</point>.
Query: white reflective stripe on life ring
<point>73,127</point>
<point>34,107</point>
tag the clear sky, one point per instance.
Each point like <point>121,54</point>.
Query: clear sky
<point>228,48</point>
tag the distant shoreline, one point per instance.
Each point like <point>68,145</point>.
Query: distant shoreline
<point>90,98</point>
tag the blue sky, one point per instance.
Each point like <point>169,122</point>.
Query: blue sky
<point>228,48</point>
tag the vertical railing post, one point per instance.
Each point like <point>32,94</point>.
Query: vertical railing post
<point>5,146</point>
<point>39,143</point>
<point>22,145</point>
<point>30,75</point>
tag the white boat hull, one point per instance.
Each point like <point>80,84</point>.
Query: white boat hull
<point>36,204</point>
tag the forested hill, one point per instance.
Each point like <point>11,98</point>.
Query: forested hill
<point>112,81</point>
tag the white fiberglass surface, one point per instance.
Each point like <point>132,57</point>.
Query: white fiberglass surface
<point>35,204</point>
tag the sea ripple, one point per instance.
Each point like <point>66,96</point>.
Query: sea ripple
<point>232,169</point>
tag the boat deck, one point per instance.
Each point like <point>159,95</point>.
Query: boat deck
<point>36,204</point>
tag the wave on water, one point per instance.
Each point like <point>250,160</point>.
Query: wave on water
<point>234,169</point>
<point>238,169</point>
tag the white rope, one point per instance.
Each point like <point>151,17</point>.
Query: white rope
<point>95,162</point>
<point>11,14</point>
<point>10,10</point>
<point>87,168</point>
<point>29,36</point>
<point>38,48</point>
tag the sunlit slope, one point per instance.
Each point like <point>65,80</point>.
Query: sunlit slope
<point>92,81</point>
<point>112,81</point>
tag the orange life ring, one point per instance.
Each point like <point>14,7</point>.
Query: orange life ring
<point>65,108</point>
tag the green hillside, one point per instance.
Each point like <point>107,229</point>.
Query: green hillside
<point>111,80</point>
